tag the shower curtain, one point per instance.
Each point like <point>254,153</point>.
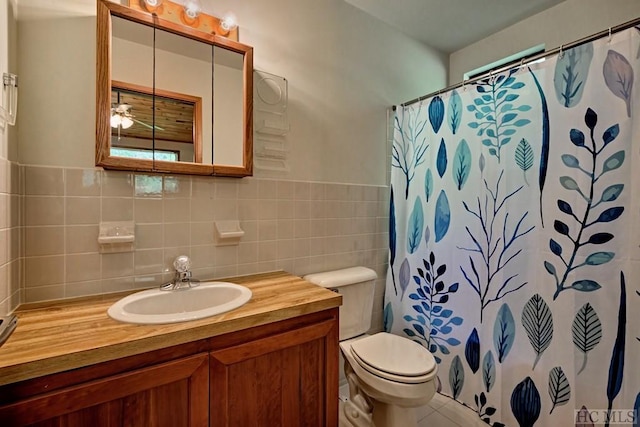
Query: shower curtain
<point>514,237</point>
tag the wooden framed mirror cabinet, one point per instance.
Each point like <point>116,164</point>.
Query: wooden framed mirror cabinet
<point>170,98</point>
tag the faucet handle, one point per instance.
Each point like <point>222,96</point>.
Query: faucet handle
<point>182,264</point>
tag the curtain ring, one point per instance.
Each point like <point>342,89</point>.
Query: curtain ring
<point>561,52</point>
<point>609,34</point>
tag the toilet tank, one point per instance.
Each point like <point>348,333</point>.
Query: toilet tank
<point>357,286</point>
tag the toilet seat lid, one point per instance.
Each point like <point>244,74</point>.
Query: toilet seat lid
<point>395,355</point>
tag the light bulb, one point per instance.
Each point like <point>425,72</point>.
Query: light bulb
<point>229,22</point>
<point>115,120</point>
<point>192,8</point>
<point>126,122</point>
<point>152,5</point>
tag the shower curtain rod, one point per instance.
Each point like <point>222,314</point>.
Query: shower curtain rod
<point>524,61</point>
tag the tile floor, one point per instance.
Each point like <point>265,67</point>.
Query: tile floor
<point>442,411</point>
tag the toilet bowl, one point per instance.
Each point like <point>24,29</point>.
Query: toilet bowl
<point>388,375</point>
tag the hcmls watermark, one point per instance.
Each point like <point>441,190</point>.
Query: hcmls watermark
<point>604,416</point>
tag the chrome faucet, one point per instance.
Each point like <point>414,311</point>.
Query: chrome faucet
<point>182,278</point>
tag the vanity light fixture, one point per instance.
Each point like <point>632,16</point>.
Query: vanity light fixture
<point>9,107</point>
<point>191,14</point>
<point>152,5</point>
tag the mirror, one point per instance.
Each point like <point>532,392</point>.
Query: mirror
<point>171,98</point>
<point>174,134</point>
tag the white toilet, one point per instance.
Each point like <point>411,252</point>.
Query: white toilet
<point>388,375</point>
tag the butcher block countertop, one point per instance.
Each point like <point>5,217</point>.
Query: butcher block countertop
<point>70,334</point>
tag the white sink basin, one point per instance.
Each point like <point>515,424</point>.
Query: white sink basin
<point>155,306</point>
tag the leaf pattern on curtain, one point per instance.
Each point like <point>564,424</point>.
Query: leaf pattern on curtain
<point>504,332</point>
<point>616,368</point>
<point>586,331</point>
<point>436,113</point>
<point>409,144</point>
<point>559,388</point>
<point>432,323</point>
<point>488,371</point>
<point>496,111</point>
<point>525,403</point>
<point>524,312</point>
<point>538,323</point>
<point>571,72</point>
<point>544,140</point>
<point>592,200</point>
<point>454,112</point>
<point>495,246</point>
<point>461,164</point>
<point>618,75</point>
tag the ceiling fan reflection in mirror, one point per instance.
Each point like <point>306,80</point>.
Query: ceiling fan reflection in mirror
<point>122,118</point>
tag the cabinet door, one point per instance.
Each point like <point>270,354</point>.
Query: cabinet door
<point>288,379</point>
<point>172,394</point>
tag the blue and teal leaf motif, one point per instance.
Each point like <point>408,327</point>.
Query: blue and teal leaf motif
<point>481,163</point>
<point>485,411</point>
<point>442,216</point>
<point>525,403</point>
<point>388,317</point>
<point>493,246</point>
<point>461,164</point>
<point>454,113</point>
<point>504,332</point>
<point>636,407</point>
<point>441,161</point>
<point>428,185</point>
<point>544,144</point>
<point>436,113</point>
<point>432,323</point>
<point>392,239</point>
<point>559,388</point>
<point>488,371</point>
<point>618,75</point>
<point>456,377</point>
<point>616,368</point>
<point>496,113</point>
<point>572,70</point>
<point>524,157</point>
<point>584,220</point>
<point>409,143</point>
<point>586,331</point>
<point>405,276</point>
<point>538,323</point>
<point>472,351</point>
<point>416,225</point>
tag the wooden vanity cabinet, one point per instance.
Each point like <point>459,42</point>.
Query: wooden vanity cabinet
<point>278,374</point>
<point>285,379</point>
<point>167,394</point>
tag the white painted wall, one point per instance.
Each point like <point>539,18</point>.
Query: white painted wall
<point>561,24</point>
<point>344,70</point>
